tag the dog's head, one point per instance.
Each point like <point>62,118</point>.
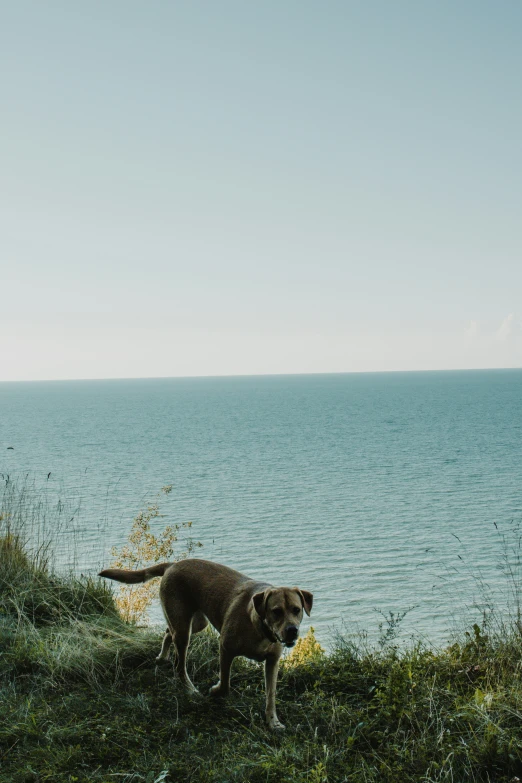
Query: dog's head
<point>281,611</point>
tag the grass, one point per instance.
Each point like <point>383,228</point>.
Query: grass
<point>81,699</point>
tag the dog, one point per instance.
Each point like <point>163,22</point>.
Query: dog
<point>254,619</point>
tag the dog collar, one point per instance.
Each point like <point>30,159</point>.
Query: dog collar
<point>270,634</point>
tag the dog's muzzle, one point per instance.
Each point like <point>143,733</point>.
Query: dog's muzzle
<point>291,634</point>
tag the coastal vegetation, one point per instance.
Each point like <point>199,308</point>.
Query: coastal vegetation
<point>144,547</point>
<point>82,700</point>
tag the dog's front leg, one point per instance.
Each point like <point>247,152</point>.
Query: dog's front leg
<point>271,669</point>
<point>225,664</point>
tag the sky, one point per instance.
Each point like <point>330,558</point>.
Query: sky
<point>221,188</point>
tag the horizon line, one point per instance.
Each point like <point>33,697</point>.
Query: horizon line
<point>257,375</point>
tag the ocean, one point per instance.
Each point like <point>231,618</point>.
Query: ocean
<point>378,492</point>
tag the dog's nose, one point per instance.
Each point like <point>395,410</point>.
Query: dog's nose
<point>292,632</point>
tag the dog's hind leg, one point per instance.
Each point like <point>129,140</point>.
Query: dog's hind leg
<point>199,622</point>
<point>225,664</point>
<point>179,618</point>
<point>181,641</point>
<point>165,647</point>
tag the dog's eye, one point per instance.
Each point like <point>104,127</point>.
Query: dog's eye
<point>296,610</point>
<point>277,612</point>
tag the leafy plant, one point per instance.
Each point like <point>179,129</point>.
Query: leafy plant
<point>144,548</point>
<point>307,650</point>
<point>389,629</point>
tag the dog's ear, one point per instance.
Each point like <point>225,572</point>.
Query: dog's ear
<point>307,600</point>
<point>259,600</point>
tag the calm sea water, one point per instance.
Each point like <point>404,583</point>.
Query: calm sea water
<point>377,492</point>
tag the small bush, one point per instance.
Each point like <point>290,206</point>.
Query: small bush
<point>306,650</point>
<point>145,548</point>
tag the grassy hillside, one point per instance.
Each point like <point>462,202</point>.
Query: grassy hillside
<point>81,700</point>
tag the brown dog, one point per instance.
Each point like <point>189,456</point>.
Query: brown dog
<point>254,619</point>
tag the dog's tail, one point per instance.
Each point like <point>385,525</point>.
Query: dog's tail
<point>135,577</point>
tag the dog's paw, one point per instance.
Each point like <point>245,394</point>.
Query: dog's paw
<point>161,661</point>
<point>217,691</point>
<point>274,724</point>
<point>190,690</point>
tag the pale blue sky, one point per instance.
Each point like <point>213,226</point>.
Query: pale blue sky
<point>206,188</point>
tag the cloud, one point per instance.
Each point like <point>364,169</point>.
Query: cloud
<point>505,328</point>
<point>472,329</point>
